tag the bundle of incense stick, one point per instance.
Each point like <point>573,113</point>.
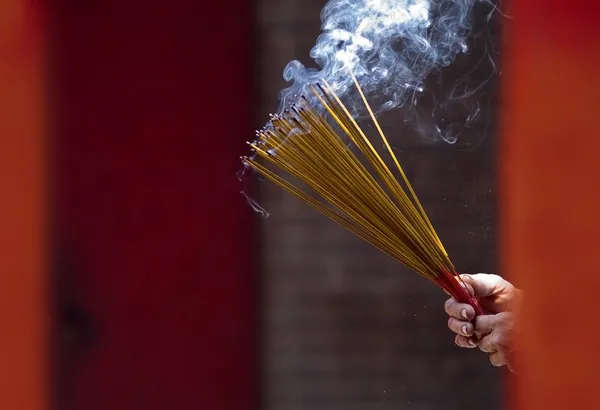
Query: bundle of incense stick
<point>357,190</point>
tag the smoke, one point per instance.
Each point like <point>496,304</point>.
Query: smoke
<point>391,46</point>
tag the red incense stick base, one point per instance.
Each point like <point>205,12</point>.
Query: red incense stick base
<point>455,286</point>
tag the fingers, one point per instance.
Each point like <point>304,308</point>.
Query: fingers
<point>461,311</point>
<point>497,359</point>
<point>504,357</point>
<point>500,336</point>
<point>489,344</point>
<point>466,342</point>
<point>493,334</point>
<point>485,324</point>
<point>460,327</point>
<point>459,322</point>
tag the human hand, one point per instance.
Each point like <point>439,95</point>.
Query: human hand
<point>493,332</point>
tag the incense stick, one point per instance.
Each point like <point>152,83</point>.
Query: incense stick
<point>356,190</point>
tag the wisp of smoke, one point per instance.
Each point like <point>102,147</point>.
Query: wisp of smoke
<point>394,49</point>
<point>389,45</point>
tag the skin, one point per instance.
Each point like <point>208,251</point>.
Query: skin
<point>493,332</point>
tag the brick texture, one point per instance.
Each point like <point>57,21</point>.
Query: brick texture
<point>343,326</point>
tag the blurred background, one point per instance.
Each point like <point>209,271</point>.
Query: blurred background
<point>343,326</point>
<point>136,276</point>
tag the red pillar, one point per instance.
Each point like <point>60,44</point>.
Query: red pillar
<point>550,163</point>
<point>152,102</point>
<point>23,290</point>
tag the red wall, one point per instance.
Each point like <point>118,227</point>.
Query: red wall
<point>151,103</point>
<point>550,163</point>
<point>23,277</point>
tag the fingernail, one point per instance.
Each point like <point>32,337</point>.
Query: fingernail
<point>471,342</point>
<point>464,314</point>
<point>465,330</point>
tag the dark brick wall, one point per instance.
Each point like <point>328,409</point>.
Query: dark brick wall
<point>345,327</point>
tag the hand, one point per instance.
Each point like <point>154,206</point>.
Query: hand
<point>496,337</point>
<point>492,332</point>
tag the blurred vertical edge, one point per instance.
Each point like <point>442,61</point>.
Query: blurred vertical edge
<point>550,198</point>
<point>23,275</point>
<point>151,105</point>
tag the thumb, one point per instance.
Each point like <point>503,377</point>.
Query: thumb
<point>462,281</point>
<point>484,284</point>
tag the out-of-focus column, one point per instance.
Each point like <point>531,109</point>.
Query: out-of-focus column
<point>551,198</point>
<point>152,107</point>
<point>23,334</point>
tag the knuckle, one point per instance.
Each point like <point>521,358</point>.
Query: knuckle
<point>494,279</point>
<point>487,344</point>
<point>504,340</point>
<point>485,323</point>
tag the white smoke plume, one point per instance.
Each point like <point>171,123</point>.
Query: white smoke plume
<point>398,50</point>
<point>391,46</point>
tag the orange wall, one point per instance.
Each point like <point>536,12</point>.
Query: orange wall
<point>23,340</point>
<point>551,198</point>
